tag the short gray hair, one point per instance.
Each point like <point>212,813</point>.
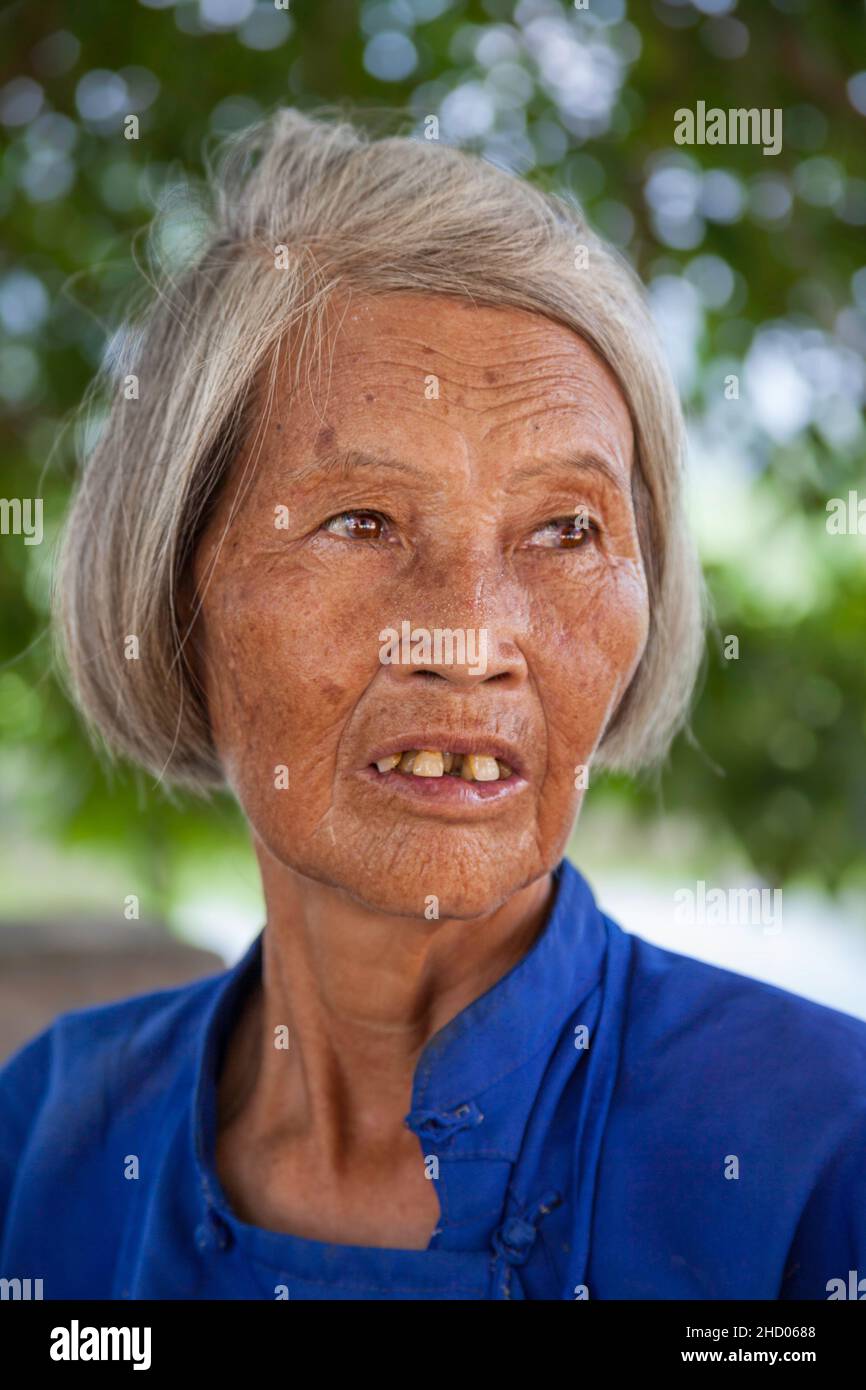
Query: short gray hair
<point>375,216</point>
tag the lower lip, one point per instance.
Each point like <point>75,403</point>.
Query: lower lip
<point>446,792</point>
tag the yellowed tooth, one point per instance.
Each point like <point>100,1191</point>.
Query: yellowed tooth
<point>456,764</point>
<point>479,767</point>
<point>386,764</point>
<point>428,763</point>
<point>504,769</point>
<point>407,762</point>
<point>448,761</point>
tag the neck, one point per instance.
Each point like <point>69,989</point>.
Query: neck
<point>360,993</point>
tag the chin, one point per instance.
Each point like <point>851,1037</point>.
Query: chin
<point>462,881</point>
<point>457,902</point>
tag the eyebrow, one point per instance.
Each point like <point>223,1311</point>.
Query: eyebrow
<point>584,463</point>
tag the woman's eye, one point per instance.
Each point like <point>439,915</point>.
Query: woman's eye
<point>357,526</point>
<point>566,533</point>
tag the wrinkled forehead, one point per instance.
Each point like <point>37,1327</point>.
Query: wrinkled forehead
<point>442,364</point>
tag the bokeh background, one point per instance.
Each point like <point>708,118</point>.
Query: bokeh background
<point>756,268</point>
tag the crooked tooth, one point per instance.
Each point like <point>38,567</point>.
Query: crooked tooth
<point>428,763</point>
<point>433,762</point>
<point>386,764</point>
<point>479,767</point>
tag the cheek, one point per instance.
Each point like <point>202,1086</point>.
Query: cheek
<point>593,632</point>
<point>281,680</point>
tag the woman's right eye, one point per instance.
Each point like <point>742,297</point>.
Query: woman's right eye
<point>356,526</point>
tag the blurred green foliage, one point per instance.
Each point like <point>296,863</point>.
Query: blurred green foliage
<point>756,266</point>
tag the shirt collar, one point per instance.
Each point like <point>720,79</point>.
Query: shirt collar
<point>510,1023</point>
<point>506,1032</point>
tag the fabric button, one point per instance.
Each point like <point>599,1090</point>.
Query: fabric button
<point>514,1239</point>
<point>213,1234</point>
<point>516,1236</point>
<point>438,1126</point>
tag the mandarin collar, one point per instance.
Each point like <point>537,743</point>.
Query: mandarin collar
<point>508,1025</point>
<point>501,1034</point>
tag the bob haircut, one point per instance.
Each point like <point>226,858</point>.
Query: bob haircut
<point>299,209</point>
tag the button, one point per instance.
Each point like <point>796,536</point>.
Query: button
<point>213,1234</point>
<point>438,1126</point>
<point>514,1239</point>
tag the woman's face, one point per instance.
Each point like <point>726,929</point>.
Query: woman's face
<point>459,469</point>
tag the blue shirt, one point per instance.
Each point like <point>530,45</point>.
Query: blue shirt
<point>610,1120</point>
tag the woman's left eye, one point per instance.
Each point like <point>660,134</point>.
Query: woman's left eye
<point>566,533</point>
<point>357,526</point>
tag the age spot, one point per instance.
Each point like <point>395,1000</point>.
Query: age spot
<point>325,439</point>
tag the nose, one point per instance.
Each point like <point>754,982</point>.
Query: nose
<point>460,625</point>
<point>461,657</point>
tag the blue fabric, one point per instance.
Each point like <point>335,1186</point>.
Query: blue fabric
<point>564,1171</point>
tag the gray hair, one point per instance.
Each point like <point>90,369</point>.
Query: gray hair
<point>353,214</point>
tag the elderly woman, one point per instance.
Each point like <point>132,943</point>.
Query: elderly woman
<point>388,538</point>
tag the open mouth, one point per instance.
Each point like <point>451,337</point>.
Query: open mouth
<point>435,762</point>
<point>476,776</point>
<point>438,771</point>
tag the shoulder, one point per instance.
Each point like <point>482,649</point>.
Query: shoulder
<point>667,981</point>
<point>734,1026</point>
<point>86,1052</point>
<point>735,1138</point>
